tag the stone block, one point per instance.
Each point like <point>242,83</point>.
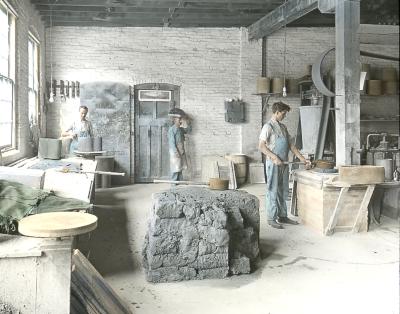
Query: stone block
<point>193,232</point>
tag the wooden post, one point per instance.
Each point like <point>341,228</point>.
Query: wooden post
<point>347,100</point>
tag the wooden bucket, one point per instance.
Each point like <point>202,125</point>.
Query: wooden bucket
<point>390,87</point>
<point>218,184</point>
<point>263,84</point>
<point>277,85</point>
<point>389,74</point>
<point>374,87</point>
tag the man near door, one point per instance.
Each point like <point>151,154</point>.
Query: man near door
<point>176,140</point>
<point>275,145</point>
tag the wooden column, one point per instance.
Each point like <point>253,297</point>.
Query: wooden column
<point>347,22</point>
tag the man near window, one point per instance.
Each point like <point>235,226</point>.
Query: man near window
<point>176,139</point>
<point>275,145</point>
<point>78,129</point>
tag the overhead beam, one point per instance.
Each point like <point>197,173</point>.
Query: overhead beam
<point>282,15</point>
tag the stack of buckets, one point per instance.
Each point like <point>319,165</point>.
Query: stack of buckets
<point>383,83</point>
<point>266,85</point>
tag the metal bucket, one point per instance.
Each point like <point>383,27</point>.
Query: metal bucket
<point>388,165</point>
<point>310,119</point>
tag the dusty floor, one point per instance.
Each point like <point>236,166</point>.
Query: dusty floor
<point>300,271</point>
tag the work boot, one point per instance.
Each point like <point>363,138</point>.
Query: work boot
<point>275,224</point>
<point>286,220</point>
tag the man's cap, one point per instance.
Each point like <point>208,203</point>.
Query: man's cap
<point>176,113</point>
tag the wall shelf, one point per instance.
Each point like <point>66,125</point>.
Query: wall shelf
<point>378,120</point>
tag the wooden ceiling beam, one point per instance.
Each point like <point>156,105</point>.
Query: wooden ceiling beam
<point>153,3</point>
<point>282,15</point>
<point>45,9</point>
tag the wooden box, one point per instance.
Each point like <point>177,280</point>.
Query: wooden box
<point>316,201</point>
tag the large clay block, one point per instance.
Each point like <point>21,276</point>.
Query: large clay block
<point>362,174</point>
<point>49,148</point>
<point>197,233</point>
<point>31,177</point>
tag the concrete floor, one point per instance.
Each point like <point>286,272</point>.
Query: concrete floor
<point>300,271</point>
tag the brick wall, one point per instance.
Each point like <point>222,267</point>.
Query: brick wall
<point>209,65</point>
<point>27,21</point>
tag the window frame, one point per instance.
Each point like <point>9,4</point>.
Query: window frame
<point>34,79</point>
<point>11,70</point>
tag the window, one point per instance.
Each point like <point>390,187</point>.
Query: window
<point>33,83</point>
<point>7,73</point>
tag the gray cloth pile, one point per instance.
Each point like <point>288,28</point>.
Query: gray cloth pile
<point>197,233</point>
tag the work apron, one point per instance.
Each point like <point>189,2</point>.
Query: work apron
<point>277,180</point>
<point>75,141</point>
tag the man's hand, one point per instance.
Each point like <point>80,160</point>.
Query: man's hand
<point>277,161</point>
<point>306,162</point>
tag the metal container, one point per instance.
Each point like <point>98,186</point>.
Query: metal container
<point>388,165</point>
<point>310,119</point>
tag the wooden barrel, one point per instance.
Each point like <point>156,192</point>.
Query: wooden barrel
<point>263,84</point>
<point>390,87</point>
<point>240,164</point>
<point>292,86</point>
<point>389,74</point>
<point>374,87</point>
<point>277,85</point>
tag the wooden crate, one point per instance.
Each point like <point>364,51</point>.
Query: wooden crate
<point>316,202</point>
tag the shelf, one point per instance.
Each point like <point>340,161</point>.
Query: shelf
<point>378,120</point>
<point>384,95</point>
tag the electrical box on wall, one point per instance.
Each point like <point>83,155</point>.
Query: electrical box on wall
<point>234,111</point>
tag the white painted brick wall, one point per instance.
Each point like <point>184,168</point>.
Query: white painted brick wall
<point>27,21</point>
<point>208,64</point>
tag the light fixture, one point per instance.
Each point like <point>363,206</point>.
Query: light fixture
<point>51,98</point>
<point>284,94</point>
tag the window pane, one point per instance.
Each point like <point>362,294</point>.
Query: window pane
<point>32,107</point>
<point>6,112</point>
<point>4,51</point>
<point>5,137</point>
<point>31,64</point>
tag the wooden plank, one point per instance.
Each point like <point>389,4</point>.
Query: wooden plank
<point>336,211</point>
<point>281,16</point>
<point>293,200</point>
<point>99,292</point>
<point>363,211</point>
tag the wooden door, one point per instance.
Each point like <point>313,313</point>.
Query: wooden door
<point>151,130</point>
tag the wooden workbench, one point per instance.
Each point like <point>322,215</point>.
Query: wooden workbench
<point>327,207</point>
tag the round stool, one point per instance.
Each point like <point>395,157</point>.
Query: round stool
<point>57,224</point>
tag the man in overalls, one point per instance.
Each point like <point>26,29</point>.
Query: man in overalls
<point>176,139</point>
<point>78,129</point>
<point>275,144</point>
